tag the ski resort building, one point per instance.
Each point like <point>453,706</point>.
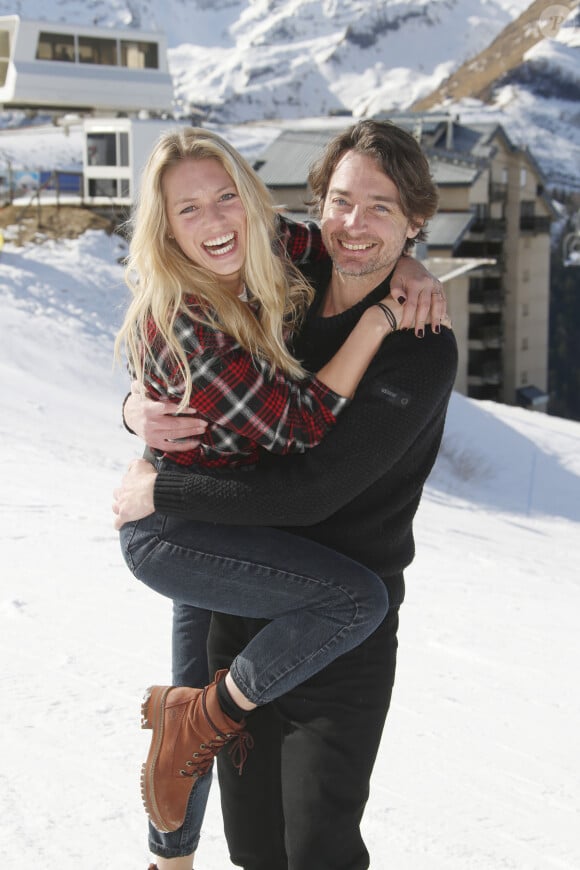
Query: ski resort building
<point>91,70</point>
<point>115,152</point>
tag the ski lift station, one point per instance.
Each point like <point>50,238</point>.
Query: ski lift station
<point>93,70</point>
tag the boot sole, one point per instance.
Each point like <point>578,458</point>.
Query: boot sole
<point>153,718</point>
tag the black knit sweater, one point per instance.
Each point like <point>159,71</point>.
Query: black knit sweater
<point>358,490</point>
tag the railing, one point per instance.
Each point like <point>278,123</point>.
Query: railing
<point>486,336</point>
<point>490,300</point>
<point>534,224</point>
<point>491,227</point>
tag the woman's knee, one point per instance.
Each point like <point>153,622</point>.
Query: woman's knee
<point>372,602</point>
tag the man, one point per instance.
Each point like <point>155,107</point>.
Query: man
<point>299,803</point>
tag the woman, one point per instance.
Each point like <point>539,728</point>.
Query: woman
<point>207,326</point>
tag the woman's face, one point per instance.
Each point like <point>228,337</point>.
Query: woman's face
<point>207,217</point>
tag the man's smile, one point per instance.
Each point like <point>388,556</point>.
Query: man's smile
<point>356,246</point>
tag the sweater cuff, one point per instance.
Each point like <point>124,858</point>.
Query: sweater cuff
<point>168,495</point>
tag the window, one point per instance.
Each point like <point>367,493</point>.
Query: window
<point>525,309</point>
<point>56,46</point>
<point>123,149</point>
<point>102,187</point>
<point>4,55</point>
<point>139,55</point>
<point>101,149</point>
<point>110,187</point>
<point>4,44</point>
<point>524,379</point>
<point>101,51</point>
<point>524,343</point>
<point>523,176</point>
<point>108,149</point>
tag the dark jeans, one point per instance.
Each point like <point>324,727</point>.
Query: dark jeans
<point>301,798</point>
<point>318,605</point>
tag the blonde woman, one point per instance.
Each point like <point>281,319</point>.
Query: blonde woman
<point>213,309</point>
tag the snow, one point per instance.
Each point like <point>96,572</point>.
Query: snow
<point>478,766</point>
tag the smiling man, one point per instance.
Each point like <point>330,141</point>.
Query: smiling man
<point>364,228</point>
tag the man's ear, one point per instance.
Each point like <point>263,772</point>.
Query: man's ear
<point>415,226</point>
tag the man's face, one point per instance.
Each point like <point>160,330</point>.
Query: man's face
<point>363,226</point>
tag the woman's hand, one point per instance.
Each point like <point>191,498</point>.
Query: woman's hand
<point>134,498</point>
<point>424,299</point>
<point>397,313</point>
<point>157,424</point>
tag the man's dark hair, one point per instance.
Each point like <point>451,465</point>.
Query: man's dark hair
<point>400,157</point>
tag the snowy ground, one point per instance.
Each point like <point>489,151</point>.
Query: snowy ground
<point>479,766</point>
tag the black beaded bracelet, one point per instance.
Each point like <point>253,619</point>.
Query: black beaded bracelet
<point>388,314</point>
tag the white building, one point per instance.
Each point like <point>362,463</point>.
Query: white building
<point>115,152</point>
<point>81,68</point>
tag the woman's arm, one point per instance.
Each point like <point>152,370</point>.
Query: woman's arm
<point>239,393</point>
<point>375,434</point>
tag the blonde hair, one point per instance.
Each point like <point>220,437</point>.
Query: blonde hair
<point>159,274</point>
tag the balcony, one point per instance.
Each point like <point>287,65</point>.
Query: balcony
<point>486,248</point>
<point>488,301</point>
<point>489,228</point>
<point>534,224</point>
<point>485,337</point>
<point>484,366</point>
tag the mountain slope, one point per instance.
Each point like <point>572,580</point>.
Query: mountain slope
<point>476,76</point>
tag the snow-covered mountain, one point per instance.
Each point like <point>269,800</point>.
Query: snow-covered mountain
<point>251,60</point>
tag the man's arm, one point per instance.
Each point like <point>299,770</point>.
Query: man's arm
<point>374,433</point>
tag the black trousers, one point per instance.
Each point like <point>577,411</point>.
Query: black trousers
<point>300,799</point>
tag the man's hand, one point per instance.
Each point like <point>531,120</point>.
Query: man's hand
<point>157,424</point>
<point>134,499</point>
<point>425,300</point>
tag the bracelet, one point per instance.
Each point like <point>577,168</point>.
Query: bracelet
<point>128,428</point>
<point>388,314</point>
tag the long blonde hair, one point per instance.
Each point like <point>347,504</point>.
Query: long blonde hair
<point>159,274</point>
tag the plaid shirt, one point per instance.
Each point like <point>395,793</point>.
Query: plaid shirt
<point>247,407</point>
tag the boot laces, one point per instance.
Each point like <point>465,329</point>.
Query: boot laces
<point>240,741</point>
<point>201,760</point>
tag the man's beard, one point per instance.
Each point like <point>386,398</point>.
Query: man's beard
<point>361,271</point>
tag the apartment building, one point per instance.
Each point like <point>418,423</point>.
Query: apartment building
<point>489,243</point>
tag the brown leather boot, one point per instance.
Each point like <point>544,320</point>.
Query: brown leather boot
<point>189,729</point>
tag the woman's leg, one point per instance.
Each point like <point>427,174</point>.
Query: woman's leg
<point>175,863</point>
<point>175,850</point>
<point>319,604</point>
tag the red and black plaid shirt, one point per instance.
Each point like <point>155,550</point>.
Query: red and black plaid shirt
<point>248,407</point>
